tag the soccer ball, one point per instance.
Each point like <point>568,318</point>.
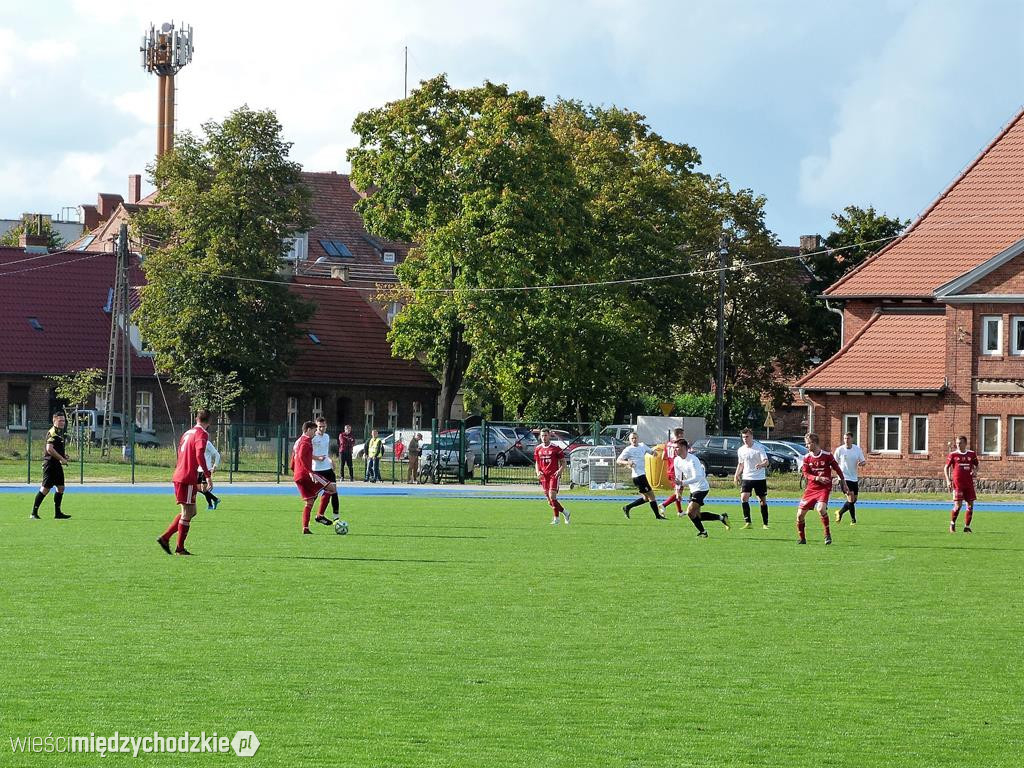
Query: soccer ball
<point>341,527</point>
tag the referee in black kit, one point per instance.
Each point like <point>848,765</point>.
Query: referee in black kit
<point>54,459</point>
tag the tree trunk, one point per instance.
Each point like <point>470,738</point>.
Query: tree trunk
<point>455,365</point>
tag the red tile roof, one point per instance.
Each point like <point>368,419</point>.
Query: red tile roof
<point>333,207</point>
<point>903,351</point>
<point>353,344</point>
<point>978,216</point>
<point>66,291</point>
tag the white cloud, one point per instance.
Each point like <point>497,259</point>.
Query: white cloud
<point>897,118</point>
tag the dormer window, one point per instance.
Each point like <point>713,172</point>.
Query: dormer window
<point>336,248</point>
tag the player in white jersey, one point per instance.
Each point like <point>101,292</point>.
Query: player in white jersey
<point>633,456</point>
<point>212,461</point>
<point>850,458</point>
<point>323,465</point>
<point>751,468</point>
<point>688,471</point>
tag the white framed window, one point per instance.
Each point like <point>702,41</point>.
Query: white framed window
<point>369,412</point>
<point>1017,335</point>
<point>992,335</point>
<point>318,408</point>
<point>417,415</point>
<point>293,417</point>
<point>885,433</point>
<point>298,247</point>
<point>988,434</point>
<point>851,424</point>
<point>392,415</point>
<point>919,434</point>
<point>393,309</point>
<point>1017,435</point>
<point>144,410</point>
<point>17,415</point>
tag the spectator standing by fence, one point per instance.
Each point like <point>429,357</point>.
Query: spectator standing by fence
<point>414,456</point>
<point>346,444</point>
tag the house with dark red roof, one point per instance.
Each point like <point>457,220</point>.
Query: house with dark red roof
<point>345,370</point>
<point>933,334</point>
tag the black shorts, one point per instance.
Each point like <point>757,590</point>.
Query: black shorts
<point>327,474</point>
<point>53,474</point>
<point>757,487</point>
<point>854,486</point>
<point>642,484</point>
<point>697,497</point>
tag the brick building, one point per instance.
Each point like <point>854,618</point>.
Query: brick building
<point>345,370</point>
<point>933,335</point>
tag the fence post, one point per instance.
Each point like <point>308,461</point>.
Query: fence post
<point>81,454</point>
<point>280,452</point>
<point>131,447</point>
<point>435,474</point>
<point>484,451</point>
<point>28,453</point>
<point>462,452</point>
<point>232,458</point>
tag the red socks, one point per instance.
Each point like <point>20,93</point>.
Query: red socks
<point>324,501</point>
<point>953,515</point>
<point>172,529</point>
<point>800,529</point>
<point>182,534</point>
<point>824,523</point>
<point>306,510</point>
<point>967,517</point>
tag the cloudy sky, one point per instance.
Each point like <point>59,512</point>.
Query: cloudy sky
<point>814,105</point>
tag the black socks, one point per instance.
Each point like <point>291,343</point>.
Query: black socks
<point>746,511</point>
<point>764,512</point>
<point>39,500</point>
<point>58,497</point>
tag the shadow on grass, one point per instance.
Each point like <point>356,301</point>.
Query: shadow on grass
<point>418,536</point>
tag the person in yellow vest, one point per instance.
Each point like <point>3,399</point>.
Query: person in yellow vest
<point>374,453</point>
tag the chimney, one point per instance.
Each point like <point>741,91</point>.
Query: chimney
<point>106,204</point>
<point>34,243</point>
<point>134,187</point>
<point>340,272</point>
<point>810,243</point>
<point>90,217</point>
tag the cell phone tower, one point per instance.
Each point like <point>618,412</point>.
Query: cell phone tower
<point>165,52</point>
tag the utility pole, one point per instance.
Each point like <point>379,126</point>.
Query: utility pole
<point>723,264</point>
<point>118,350</point>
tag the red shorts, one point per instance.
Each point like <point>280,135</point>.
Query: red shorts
<point>310,485</point>
<point>185,493</point>
<point>549,483</point>
<point>815,494</point>
<point>964,494</point>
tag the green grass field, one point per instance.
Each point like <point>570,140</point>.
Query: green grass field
<point>459,632</point>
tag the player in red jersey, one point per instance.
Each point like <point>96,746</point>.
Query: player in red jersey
<point>960,470</point>
<point>307,481</point>
<point>549,461</point>
<point>191,460</point>
<point>671,451</point>
<point>817,469</point>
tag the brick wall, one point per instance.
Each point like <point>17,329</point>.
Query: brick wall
<point>855,315</point>
<point>1009,278</point>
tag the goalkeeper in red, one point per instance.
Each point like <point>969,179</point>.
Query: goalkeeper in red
<point>549,461</point>
<point>817,469</point>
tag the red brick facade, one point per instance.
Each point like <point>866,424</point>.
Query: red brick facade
<point>912,388</point>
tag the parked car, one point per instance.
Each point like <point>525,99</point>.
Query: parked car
<point>718,455</point>
<point>92,421</point>
<point>389,446</point>
<point>559,437</point>
<point>587,441</point>
<point>787,448</point>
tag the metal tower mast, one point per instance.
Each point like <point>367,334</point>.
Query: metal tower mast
<point>165,52</point>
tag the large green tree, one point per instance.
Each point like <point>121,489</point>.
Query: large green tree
<point>476,180</point>
<point>228,200</point>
